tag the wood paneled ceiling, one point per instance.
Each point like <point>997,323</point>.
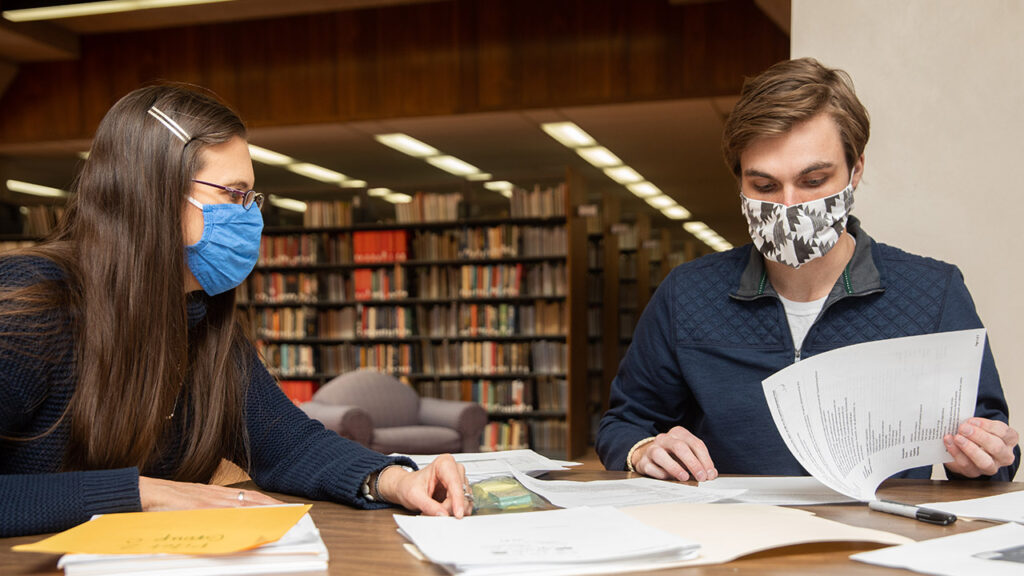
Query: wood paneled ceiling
<point>674,143</point>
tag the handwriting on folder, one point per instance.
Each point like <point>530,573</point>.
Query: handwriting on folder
<point>197,532</point>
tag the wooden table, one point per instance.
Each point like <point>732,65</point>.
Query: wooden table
<point>366,542</point>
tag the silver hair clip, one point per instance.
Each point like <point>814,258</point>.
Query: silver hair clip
<point>170,124</point>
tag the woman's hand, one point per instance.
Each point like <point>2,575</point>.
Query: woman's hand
<point>157,494</point>
<point>438,489</point>
<point>980,447</point>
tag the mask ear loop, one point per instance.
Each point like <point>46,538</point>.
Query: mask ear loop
<point>171,125</point>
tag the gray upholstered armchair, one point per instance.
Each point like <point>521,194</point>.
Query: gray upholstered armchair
<point>382,413</point>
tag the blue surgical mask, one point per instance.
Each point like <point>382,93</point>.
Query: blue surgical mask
<point>229,247</point>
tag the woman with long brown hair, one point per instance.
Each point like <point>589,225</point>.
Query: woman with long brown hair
<point>124,376</point>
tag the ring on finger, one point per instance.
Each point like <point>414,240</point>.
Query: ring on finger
<point>241,496</point>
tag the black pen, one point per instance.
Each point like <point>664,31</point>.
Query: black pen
<point>929,515</point>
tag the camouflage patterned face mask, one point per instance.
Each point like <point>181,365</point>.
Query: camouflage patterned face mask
<point>794,235</point>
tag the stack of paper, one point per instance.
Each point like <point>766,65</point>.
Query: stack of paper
<point>996,551</point>
<point>575,541</point>
<point>1008,507</point>
<point>250,540</point>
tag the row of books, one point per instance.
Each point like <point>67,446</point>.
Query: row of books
<point>496,396</point>
<point>429,207</point>
<point>501,280</point>
<point>541,318</point>
<point>40,220</point>
<point>545,436</point>
<point>510,435</point>
<point>372,246</point>
<point>508,241</point>
<point>538,203</point>
<point>12,245</point>
<point>326,213</point>
<point>595,356</point>
<point>288,360</point>
<point>305,249</point>
<point>280,288</point>
<point>380,283</point>
<point>486,357</point>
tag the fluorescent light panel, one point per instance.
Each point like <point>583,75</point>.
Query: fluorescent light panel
<point>398,198</point>
<point>92,8</point>
<point>379,192</point>
<point>316,172</point>
<point>644,189</point>
<point>599,156</point>
<point>478,177</point>
<point>287,203</point>
<point>269,157</point>
<point>452,165</point>
<point>407,145</point>
<point>568,134</point>
<point>623,175</point>
<point>354,184</point>
<point>35,189</point>
<point>676,212</point>
<point>660,202</point>
<point>499,185</point>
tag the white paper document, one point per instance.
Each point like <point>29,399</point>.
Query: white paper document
<point>301,549</point>
<point>996,551</point>
<point>618,493</point>
<point>856,415</point>
<point>1008,507</point>
<point>483,465</point>
<point>574,541</point>
<point>778,490</point>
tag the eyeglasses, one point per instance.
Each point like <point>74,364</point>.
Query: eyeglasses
<point>248,197</point>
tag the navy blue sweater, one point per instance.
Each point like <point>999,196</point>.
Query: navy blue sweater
<point>289,452</point>
<point>715,329</point>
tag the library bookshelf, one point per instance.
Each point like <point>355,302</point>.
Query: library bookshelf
<point>478,309</point>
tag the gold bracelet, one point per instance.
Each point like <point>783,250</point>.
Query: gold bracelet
<point>629,457</point>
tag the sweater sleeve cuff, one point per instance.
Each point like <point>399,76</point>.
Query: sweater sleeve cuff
<point>111,491</point>
<point>629,456</point>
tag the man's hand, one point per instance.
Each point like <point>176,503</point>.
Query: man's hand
<point>676,454</point>
<point>980,447</point>
<point>439,489</point>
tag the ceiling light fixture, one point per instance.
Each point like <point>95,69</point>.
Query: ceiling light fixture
<point>398,198</point>
<point>499,185</point>
<point>599,156</point>
<point>644,189</point>
<point>269,157</point>
<point>452,165</point>
<point>407,145</point>
<point>35,189</point>
<point>354,184</point>
<point>316,172</point>
<point>93,8</point>
<point>660,202</point>
<point>568,134</point>
<point>676,212</point>
<point>379,192</point>
<point>478,177</point>
<point>623,175</point>
<point>287,203</point>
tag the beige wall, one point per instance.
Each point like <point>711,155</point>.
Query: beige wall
<point>944,83</point>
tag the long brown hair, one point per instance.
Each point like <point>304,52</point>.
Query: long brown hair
<point>121,246</point>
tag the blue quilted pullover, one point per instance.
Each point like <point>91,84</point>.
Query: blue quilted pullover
<point>716,328</point>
